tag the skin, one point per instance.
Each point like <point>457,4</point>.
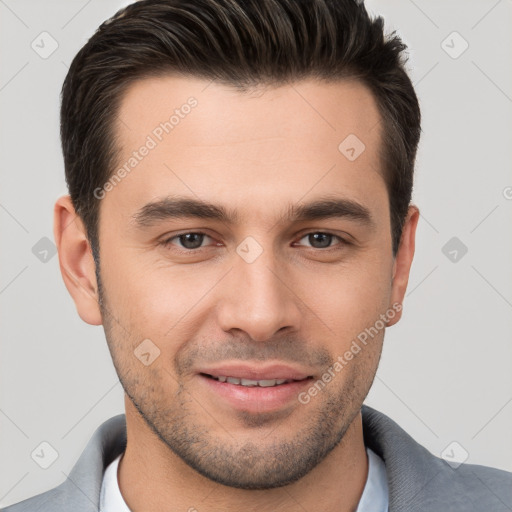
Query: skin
<point>297,303</point>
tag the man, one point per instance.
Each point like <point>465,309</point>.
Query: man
<point>239,221</point>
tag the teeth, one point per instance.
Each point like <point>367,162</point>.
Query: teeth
<point>265,383</point>
<point>248,382</point>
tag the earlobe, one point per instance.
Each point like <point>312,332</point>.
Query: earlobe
<point>76,261</point>
<point>403,261</point>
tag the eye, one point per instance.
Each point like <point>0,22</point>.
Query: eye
<point>322,240</point>
<point>193,240</point>
<point>188,241</point>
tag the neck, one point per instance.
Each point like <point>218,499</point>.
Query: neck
<point>151,477</point>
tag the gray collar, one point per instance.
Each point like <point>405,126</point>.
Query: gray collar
<point>418,481</point>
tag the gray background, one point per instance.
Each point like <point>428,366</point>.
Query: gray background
<point>446,371</point>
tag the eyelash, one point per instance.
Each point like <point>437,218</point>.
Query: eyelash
<point>168,242</point>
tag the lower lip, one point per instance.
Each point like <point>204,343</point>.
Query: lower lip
<point>255,398</point>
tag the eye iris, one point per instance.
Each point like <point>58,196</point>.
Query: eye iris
<point>325,239</point>
<point>195,240</point>
<point>191,240</point>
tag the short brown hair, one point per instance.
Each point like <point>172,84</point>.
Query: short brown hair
<point>242,43</point>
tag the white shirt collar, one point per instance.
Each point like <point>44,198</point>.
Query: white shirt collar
<point>374,498</point>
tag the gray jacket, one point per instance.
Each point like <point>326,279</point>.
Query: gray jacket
<point>418,481</point>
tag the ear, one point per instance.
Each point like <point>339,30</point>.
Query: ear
<point>76,261</point>
<point>403,261</point>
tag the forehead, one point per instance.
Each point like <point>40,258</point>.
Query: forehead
<point>226,115</point>
<point>210,140</point>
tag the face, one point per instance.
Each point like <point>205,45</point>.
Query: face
<point>243,256</point>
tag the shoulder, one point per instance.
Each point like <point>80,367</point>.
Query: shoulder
<point>420,480</point>
<point>487,488</point>
<point>47,501</point>
<point>468,488</point>
<point>80,491</point>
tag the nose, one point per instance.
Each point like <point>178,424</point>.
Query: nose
<point>258,298</point>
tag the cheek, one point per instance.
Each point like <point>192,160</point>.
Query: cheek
<point>349,299</point>
<point>156,302</point>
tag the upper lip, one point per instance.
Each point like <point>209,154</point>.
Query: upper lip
<point>256,372</point>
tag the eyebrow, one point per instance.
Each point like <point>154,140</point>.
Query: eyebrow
<point>183,207</point>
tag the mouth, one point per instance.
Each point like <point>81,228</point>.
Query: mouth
<point>262,383</point>
<point>252,389</point>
